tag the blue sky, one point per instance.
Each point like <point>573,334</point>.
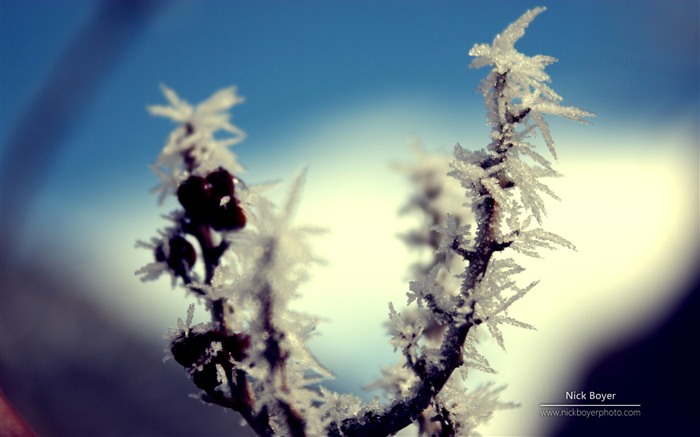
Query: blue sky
<point>301,63</point>
<point>632,63</point>
<point>341,87</point>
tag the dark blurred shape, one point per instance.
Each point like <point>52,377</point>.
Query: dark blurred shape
<point>11,424</point>
<point>71,370</point>
<point>660,371</point>
<point>56,109</point>
<point>66,366</point>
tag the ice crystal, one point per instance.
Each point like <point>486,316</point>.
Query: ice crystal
<point>517,98</point>
<point>405,335</point>
<point>338,406</point>
<point>451,236</point>
<point>435,193</point>
<point>473,359</point>
<point>185,327</point>
<point>526,75</point>
<point>467,409</point>
<point>531,241</point>
<point>497,290</point>
<point>282,251</point>
<point>435,196</point>
<point>272,258</point>
<point>195,137</point>
<point>428,286</point>
<point>396,381</point>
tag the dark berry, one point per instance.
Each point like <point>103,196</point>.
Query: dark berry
<point>191,352</point>
<point>221,184</point>
<point>180,256</point>
<point>160,254</point>
<point>194,195</point>
<point>237,345</point>
<point>181,251</point>
<point>206,379</point>
<point>227,216</point>
<point>188,350</point>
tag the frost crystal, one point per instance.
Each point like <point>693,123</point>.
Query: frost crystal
<point>516,93</point>
<point>405,335</point>
<point>467,409</point>
<point>195,138</point>
<point>451,236</point>
<point>436,196</point>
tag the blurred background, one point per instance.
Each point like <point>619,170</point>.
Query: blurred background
<point>340,87</point>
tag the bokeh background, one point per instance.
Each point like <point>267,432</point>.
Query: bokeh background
<point>342,88</point>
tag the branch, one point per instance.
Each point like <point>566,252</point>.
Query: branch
<point>433,376</point>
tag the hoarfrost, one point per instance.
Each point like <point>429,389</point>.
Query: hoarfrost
<point>529,242</point>
<point>451,235</point>
<point>221,377</point>
<point>337,407</point>
<point>196,137</point>
<point>397,381</point>
<point>473,359</point>
<point>405,335</point>
<point>434,196</point>
<point>467,409</point>
<point>527,92</point>
<point>418,290</point>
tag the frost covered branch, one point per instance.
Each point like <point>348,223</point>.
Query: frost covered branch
<point>237,253</point>
<point>251,357</point>
<point>505,193</point>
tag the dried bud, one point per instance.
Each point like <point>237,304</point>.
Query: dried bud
<point>178,254</point>
<point>227,216</point>
<point>211,201</point>
<point>195,196</point>
<point>196,353</point>
<point>221,182</point>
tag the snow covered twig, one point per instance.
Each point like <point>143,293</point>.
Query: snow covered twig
<point>235,251</point>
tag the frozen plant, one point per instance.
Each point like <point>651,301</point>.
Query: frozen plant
<point>242,257</point>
